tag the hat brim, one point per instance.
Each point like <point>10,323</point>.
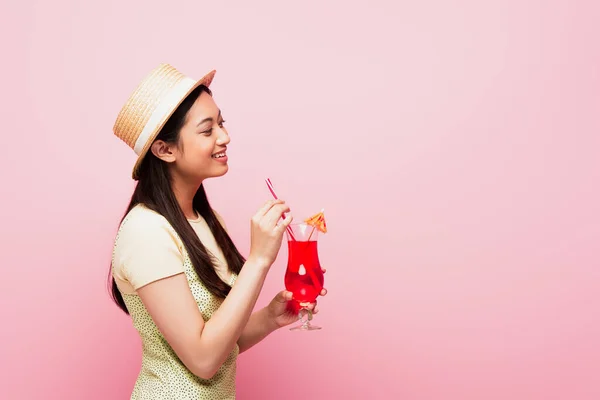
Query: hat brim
<point>206,80</point>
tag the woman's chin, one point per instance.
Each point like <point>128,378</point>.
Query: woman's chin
<point>217,172</point>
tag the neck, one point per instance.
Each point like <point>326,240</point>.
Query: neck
<point>184,193</point>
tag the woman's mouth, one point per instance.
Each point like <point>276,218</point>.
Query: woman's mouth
<point>221,157</point>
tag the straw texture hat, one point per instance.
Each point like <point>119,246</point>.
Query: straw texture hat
<point>150,106</point>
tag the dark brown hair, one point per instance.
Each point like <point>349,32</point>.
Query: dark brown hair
<point>154,190</point>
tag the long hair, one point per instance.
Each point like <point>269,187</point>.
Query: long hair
<point>154,190</point>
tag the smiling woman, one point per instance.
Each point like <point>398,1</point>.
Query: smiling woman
<point>175,269</point>
<point>202,135</point>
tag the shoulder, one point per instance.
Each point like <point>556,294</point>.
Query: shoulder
<point>220,219</point>
<point>146,248</point>
<point>144,227</point>
<point>141,218</point>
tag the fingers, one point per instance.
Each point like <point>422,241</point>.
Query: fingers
<point>266,207</point>
<point>274,214</point>
<point>270,213</point>
<point>286,221</point>
<point>313,307</point>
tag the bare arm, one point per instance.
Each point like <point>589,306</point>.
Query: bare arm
<point>204,346</point>
<point>259,326</point>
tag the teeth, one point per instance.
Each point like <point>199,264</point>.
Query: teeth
<point>219,155</point>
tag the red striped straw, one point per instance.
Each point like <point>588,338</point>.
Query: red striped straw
<point>272,190</point>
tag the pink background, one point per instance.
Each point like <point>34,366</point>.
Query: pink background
<point>453,144</point>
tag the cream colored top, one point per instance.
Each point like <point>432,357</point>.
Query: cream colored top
<point>147,249</point>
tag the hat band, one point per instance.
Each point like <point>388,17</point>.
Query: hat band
<point>168,105</point>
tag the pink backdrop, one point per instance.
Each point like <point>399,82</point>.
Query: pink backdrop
<point>453,144</point>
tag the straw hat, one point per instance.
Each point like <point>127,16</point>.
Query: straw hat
<point>150,106</point>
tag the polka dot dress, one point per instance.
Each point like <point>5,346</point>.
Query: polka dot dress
<point>163,375</point>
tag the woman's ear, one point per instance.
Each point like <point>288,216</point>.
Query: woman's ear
<point>163,151</point>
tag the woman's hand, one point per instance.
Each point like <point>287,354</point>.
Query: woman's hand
<point>266,234</point>
<point>283,311</point>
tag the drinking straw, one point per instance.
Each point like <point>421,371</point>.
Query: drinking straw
<point>270,186</point>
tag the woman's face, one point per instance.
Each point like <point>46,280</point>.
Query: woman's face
<point>201,150</point>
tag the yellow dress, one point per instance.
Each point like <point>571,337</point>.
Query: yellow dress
<point>146,249</point>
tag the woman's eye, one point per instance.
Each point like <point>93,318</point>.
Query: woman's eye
<point>209,132</point>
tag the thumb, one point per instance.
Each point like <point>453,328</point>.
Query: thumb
<point>283,296</point>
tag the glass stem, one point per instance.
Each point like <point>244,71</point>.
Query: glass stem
<point>305,312</point>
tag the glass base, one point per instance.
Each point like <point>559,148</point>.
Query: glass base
<point>305,327</point>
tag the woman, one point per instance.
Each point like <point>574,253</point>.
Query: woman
<point>175,270</point>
